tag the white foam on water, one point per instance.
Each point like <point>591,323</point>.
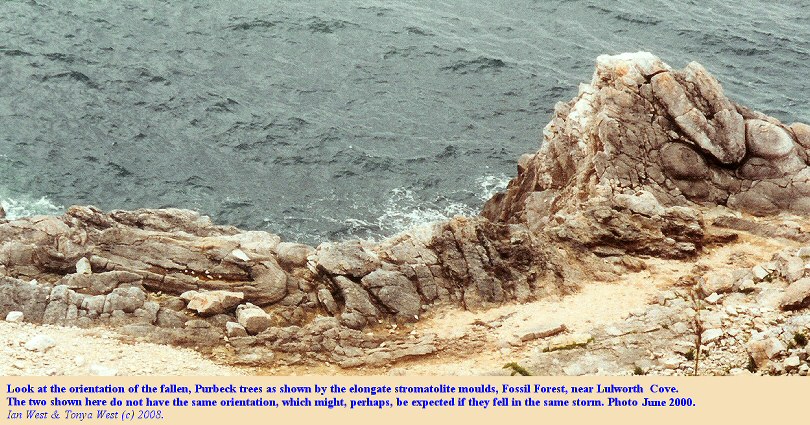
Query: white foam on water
<point>490,185</point>
<point>403,212</point>
<point>24,206</point>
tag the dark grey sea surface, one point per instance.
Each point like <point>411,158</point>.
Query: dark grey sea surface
<point>332,120</point>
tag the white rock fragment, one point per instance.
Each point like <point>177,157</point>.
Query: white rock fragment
<point>100,370</point>
<point>792,362</point>
<point>79,361</point>
<point>642,202</point>
<point>760,273</point>
<point>672,362</point>
<point>234,330</point>
<point>40,343</point>
<point>15,316</point>
<point>683,347</point>
<point>710,335</point>
<point>83,266</point>
<point>766,349</point>
<point>238,253</point>
<point>719,281</point>
<point>252,318</point>
<point>188,295</point>
<point>803,252</point>
<point>678,328</point>
<point>747,285</point>
<point>796,295</point>
<point>713,298</point>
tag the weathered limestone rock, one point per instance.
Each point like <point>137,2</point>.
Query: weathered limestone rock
<point>171,319</point>
<point>233,329</point>
<point>694,100</point>
<point>791,268</point>
<point>359,309</point>
<point>83,266</point>
<point>125,299</point>
<point>15,316</point>
<point>294,254</point>
<point>641,130</point>
<point>41,343</point>
<point>718,282</point>
<point>328,301</point>
<point>214,302</point>
<point>252,318</point>
<point>29,297</point>
<point>101,283</point>
<point>543,331</point>
<point>269,283</point>
<point>710,335</point>
<point>797,295</point>
<point>762,351</point>
<point>346,258</point>
<point>760,273</point>
<point>396,292</point>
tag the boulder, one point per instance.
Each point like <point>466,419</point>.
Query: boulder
<point>125,299</point>
<point>358,309</point>
<point>168,318</point>
<point>346,258</point>
<point>396,292</point>
<point>214,302</point>
<point>762,351</point>
<point>252,318</point>
<point>41,343</point>
<point>31,298</point>
<point>83,266</point>
<point>294,254</point>
<point>797,295</point>
<point>719,282</point>
<point>235,330</point>
<point>15,316</point>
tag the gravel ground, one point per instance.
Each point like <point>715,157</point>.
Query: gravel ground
<point>37,350</point>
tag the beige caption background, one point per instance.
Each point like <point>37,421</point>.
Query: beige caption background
<point>747,399</point>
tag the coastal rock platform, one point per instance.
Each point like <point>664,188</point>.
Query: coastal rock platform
<point>660,228</point>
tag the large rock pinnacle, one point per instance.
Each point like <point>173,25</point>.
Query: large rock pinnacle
<point>665,139</point>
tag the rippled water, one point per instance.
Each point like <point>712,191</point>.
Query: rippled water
<point>330,120</point>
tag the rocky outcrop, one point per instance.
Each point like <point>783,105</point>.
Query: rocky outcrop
<point>640,146</point>
<point>175,276</point>
<point>626,168</point>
